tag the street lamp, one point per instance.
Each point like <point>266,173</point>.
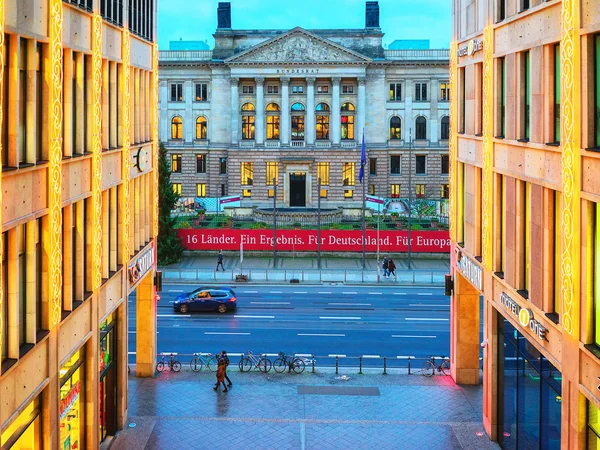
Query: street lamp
<point>274,223</point>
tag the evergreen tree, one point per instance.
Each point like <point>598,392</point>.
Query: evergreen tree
<point>169,245</point>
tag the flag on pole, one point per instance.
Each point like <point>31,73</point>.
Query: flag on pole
<point>363,159</point>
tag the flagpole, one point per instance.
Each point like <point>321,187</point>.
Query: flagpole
<point>364,229</point>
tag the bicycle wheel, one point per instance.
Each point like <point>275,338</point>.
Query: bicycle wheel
<point>298,365</point>
<point>446,367</point>
<point>245,365</point>
<point>428,369</point>
<point>264,365</point>
<point>279,365</point>
<point>160,366</point>
<point>176,367</point>
<point>211,363</point>
<point>196,364</point>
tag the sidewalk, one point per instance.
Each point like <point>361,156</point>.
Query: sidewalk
<point>306,270</point>
<point>307,411</point>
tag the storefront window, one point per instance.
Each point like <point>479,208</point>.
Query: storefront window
<point>71,403</point>
<point>26,431</point>
<point>106,343</point>
<point>108,390</point>
<point>593,425</point>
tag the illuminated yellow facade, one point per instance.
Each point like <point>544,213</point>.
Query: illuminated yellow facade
<point>78,89</point>
<point>525,196</point>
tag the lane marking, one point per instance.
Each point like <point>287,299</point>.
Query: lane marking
<point>133,332</point>
<point>254,317</point>
<point>276,292</point>
<point>269,303</point>
<point>349,293</point>
<point>412,336</point>
<point>325,292</point>
<point>425,304</point>
<point>173,315</point>
<point>350,304</point>
<point>250,292</point>
<point>131,353</point>
<point>399,293</point>
<point>424,293</point>
<point>235,334</point>
<point>375,293</point>
<point>339,318</point>
<point>318,334</point>
<point>175,290</point>
<point>426,318</point>
<point>340,356</point>
<point>371,356</point>
<point>300,292</point>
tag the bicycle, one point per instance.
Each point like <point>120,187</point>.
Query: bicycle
<point>291,362</point>
<point>172,364</point>
<point>430,367</point>
<point>262,363</point>
<point>200,360</point>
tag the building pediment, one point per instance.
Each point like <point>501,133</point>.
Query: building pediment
<point>297,46</point>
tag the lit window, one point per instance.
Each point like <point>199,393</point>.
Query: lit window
<point>201,127</point>
<point>347,125</point>
<point>395,191</point>
<point>200,190</point>
<point>445,191</point>
<point>248,119</point>
<point>445,91</point>
<point>273,112</point>
<point>201,92</point>
<point>348,174</point>
<point>247,174</point>
<point>323,89</point>
<point>271,193</point>
<point>526,98</point>
<point>322,121</point>
<point>420,92</point>
<point>557,93</point>
<point>395,128</point>
<point>323,173</point>
<point>323,193</point>
<point>420,190</point>
<point>177,188</point>
<point>176,128</point>
<point>177,92</point>
<point>272,173</point>
<point>371,189</point>
<point>200,163</point>
<point>176,163</point>
<point>223,166</point>
<point>348,193</point>
<point>247,193</point>
<point>593,426</point>
<point>596,82</point>
<point>395,92</point>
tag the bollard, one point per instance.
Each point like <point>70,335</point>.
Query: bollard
<point>337,360</point>
<point>313,365</point>
<point>385,365</point>
<point>360,365</point>
<point>409,365</point>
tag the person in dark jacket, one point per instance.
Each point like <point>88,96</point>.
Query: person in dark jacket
<point>220,261</point>
<point>392,267</point>
<point>226,359</point>
<point>385,266</point>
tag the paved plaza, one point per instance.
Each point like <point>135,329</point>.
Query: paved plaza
<point>307,411</point>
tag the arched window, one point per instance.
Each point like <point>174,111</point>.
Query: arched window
<point>395,128</point>
<point>322,124</point>
<point>273,112</point>
<point>176,128</point>
<point>421,128</point>
<point>248,117</point>
<point>347,125</point>
<point>201,127</point>
<point>298,121</point>
<point>445,127</point>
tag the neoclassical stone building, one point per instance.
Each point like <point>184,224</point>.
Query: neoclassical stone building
<point>292,105</point>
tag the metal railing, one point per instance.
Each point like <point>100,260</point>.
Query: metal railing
<point>184,55</point>
<point>425,54</point>
<point>314,276</point>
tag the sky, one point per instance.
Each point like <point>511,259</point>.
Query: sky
<point>196,20</point>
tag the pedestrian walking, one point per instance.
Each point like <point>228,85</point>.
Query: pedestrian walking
<point>226,359</point>
<point>222,367</point>
<point>392,267</point>
<point>385,266</point>
<point>220,261</point>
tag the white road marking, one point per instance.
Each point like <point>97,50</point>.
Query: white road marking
<point>131,353</point>
<point>235,334</point>
<point>399,293</point>
<point>175,290</point>
<point>254,317</point>
<point>300,292</point>
<point>317,334</point>
<point>350,293</point>
<point>339,318</point>
<point>424,293</point>
<point>375,293</point>
<point>304,355</point>
<point>173,315</point>
<point>350,304</point>
<point>404,357</point>
<point>371,356</point>
<point>325,292</point>
<point>269,303</point>
<point>275,292</point>
<point>234,354</point>
<point>424,304</point>
<point>340,356</point>
<point>250,292</point>
<point>176,325</point>
<point>412,336</point>
<point>426,318</point>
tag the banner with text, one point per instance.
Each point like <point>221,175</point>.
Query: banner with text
<point>306,240</point>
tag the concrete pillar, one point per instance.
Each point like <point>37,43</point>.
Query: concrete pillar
<point>13,292</point>
<point>67,257</point>
<point>137,122</point>
<point>113,230</point>
<point>464,332</point>
<point>113,105</point>
<point>145,344</point>
<point>79,262</point>
<point>30,109</point>
<point>13,99</point>
<point>362,109</point>
<point>235,111</point>
<point>143,210</point>
<point>105,111</point>
<point>68,94</point>
<point>105,235</point>
<point>285,111</point>
<point>148,208</point>
<point>79,99</point>
<point>144,105</point>
<point>335,110</point>
<point>260,111</point>
<point>30,288</point>
<point>136,213</point>
<point>310,130</point>
<point>434,93</point>
<point>132,248</point>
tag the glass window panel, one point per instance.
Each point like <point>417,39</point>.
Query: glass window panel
<point>272,173</point>
<point>395,191</point>
<point>396,164</point>
<point>348,174</point>
<point>323,173</point>
<point>395,128</point>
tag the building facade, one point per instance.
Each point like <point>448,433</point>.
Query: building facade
<point>290,107</point>
<point>79,89</point>
<point>525,217</point>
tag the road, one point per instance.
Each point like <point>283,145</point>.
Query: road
<point>321,320</point>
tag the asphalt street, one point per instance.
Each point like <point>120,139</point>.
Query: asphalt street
<point>325,321</point>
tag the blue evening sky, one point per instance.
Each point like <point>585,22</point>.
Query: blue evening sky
<point>399,19</point>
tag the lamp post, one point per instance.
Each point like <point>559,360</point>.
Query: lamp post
<point>409,190</point>
<point>274,223</point>
<point>319,223</point>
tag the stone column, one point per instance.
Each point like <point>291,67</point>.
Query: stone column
<point>165,120</point>
<point>434,128</point>
<point>335,110</point>
<point>362,109</point>
<point>145,343</point>
<point>408,114</point>
<point>235,110</point>
<point>189,121</point>
<point>310,130</point>
<point>260,111</point>
<point>285,111</point>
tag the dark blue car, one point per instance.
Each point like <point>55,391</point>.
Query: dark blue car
<point>220,299</point>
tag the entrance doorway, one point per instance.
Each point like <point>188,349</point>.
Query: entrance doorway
<point>298,189</point>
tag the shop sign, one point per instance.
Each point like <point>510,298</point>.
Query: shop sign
<point>140,266</point>
<point>470,269</point>
<point>67,403</point>
<point>474,46</point>
<point>525,316</point>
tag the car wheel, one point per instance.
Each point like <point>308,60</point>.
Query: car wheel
<point>183,308</point>
<point>222,308</point>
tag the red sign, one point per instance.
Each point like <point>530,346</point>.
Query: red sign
<point>306,240</point>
